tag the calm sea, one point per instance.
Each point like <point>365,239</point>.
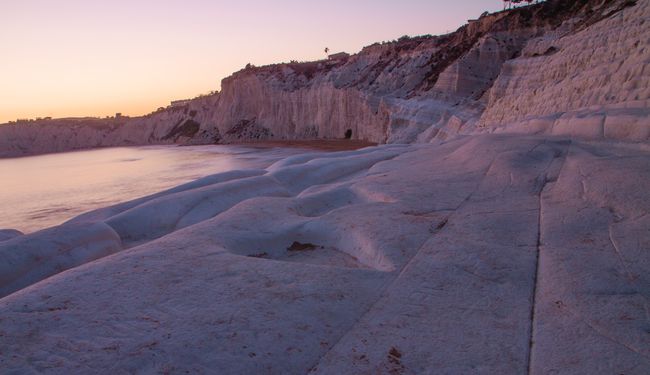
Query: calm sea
<point>41,191</point>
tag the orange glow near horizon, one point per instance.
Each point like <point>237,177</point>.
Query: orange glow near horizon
<point>74,58</point>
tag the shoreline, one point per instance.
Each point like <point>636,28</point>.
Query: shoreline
<point>438,226</point>
<point>315,144</point>
<point>312,144</point>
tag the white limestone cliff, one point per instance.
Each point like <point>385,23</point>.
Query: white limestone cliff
<point>575,68</point>
<point>173,125</point>
<point>460,253</point>
<point>591,83</point>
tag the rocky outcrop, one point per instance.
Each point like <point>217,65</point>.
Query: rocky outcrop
<point>487,254</point>
<point>250,107</point>
<point>419,89</point>
<point>591,83</point>
<point>172,125</point>
<point>578,68</point>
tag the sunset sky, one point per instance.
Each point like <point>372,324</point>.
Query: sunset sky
<point>83,57</point>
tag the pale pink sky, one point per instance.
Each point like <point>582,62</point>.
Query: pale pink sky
<point>84,57</point>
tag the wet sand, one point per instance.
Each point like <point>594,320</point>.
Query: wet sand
<point>316,144</point>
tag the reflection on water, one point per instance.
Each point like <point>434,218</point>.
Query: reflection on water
<point>46,190</point>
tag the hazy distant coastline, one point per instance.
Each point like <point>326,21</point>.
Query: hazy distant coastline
<point>412,90</point>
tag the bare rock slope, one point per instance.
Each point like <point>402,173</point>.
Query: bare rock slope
<point>487,254</point>
<point>578,68</point>
<point>458,253</point>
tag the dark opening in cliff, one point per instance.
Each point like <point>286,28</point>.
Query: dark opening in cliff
<point>348,134</point>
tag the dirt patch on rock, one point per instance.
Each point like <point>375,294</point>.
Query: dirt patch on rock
<point>299,246</point>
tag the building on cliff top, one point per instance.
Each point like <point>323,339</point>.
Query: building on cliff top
<point>179,103</point>
<point>338,56</point>
<point>507,4</point>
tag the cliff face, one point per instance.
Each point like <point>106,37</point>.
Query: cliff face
<point>173,125</point>
<point>556,62</point>
<point>560,67</point>
<point>593,83</point>
<point>251,107</point>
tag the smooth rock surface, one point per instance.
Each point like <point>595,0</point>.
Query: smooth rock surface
<point>484,254</point>
<point>7,234</point>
